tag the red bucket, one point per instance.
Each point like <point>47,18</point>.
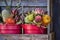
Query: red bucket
<point>10,29</point>
<point>33,29</point>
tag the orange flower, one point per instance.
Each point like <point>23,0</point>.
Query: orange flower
<point>46,19</point>
<point>10,21</point>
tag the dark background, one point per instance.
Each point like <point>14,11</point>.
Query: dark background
<point>56,18</point>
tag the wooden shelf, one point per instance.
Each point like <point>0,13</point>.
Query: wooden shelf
<point>25,4</point>
<point>25,37</point>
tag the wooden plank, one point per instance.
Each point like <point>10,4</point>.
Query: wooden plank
<point>25,37</point>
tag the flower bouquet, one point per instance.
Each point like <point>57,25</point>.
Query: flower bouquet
<point>36,22</point>
<point>10,23</point>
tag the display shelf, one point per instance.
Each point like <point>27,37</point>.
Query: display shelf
<point>25,37</point>
<point>44,4</point>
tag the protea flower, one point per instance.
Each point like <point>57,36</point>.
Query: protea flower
<point>39,11</point>
<point>38,18</point>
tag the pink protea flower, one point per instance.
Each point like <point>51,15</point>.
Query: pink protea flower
<point>39,11</point>
<point>38,18</point>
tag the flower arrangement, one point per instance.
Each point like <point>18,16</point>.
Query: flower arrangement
<point>38,17</point>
